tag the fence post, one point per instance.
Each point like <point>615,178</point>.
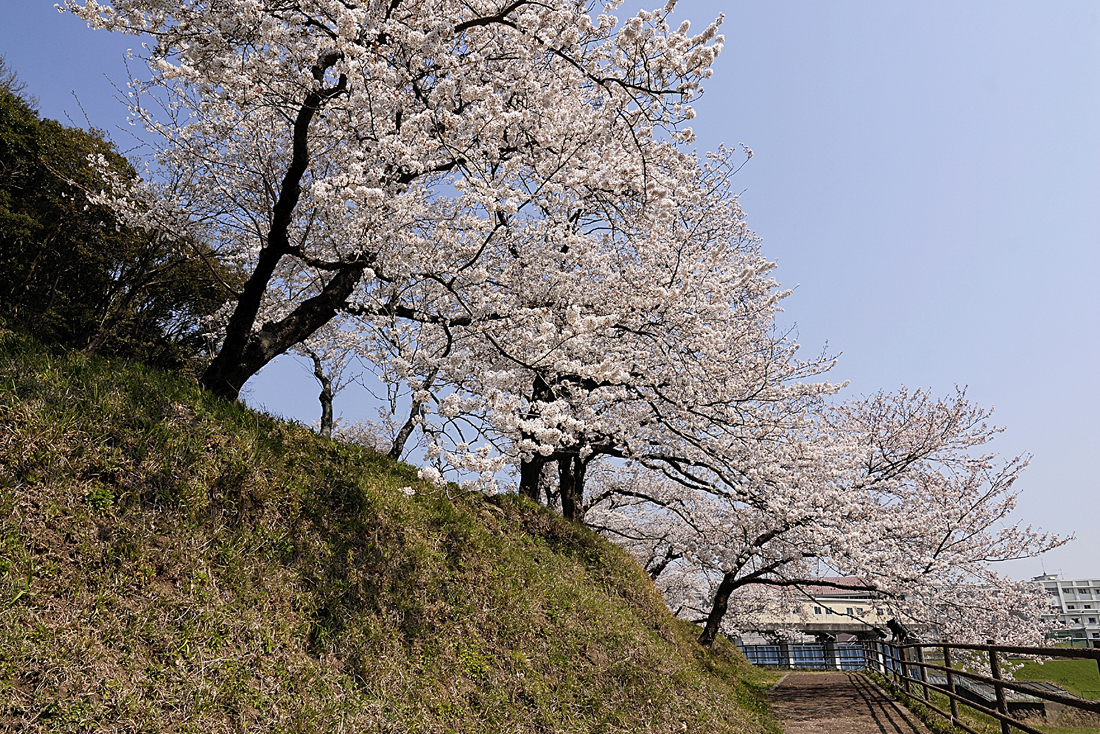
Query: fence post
<point>1002,702</point>
<point>922,673</point>
<point>904,668</point>
<point>951,684</point>
<point>829,655</point>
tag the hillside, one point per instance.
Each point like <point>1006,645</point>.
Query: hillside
<point>170,562</point>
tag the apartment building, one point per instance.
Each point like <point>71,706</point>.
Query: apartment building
<point>1075,603</point>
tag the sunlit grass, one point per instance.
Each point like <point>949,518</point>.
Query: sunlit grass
<point>1079,677</point>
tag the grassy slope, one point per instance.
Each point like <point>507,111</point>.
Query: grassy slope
<point>1079,677</point>
<point>172,563</point>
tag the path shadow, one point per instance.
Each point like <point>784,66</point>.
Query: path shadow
<point>839,703</point>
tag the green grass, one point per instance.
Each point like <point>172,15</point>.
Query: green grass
<point>170,562</point>
<point>1079,677</point>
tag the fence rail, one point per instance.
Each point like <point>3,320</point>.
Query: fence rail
<point>931,667</point>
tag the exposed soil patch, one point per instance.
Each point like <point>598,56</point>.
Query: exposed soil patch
<point>839,703</point>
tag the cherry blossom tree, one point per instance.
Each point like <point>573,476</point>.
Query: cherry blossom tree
<point>382,155</point>
<point>498,197</point>
<point>648,334</point>
<point>892,491</point>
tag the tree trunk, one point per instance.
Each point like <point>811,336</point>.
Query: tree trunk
<point>326,412</point>
<point>227,374</point>
<point>398,446</point>
<point>402,436</point>
<point>571,471</point>
<point>529,474</point>
<point>326,393</point>
<point>415,413</point>
<point>244,352</point>
<point>530,471</point>
<point>656,569</point>
<point>718,609</point>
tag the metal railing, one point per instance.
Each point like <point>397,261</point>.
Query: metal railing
<point>830,655</point>
<point>930,667</point>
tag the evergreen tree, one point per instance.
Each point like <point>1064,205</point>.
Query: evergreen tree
<point>70,274</point>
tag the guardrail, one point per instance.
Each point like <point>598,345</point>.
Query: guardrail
<point>830,655</point>
<point>916,665</point>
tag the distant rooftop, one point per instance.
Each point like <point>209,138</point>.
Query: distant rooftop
<point>824,588</point>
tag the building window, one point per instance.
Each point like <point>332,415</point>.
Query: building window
<point>817,610</point>
<point>851,612</point>
<point>828,610</point>
<point>1092,620</point>
<point>1088,606</point>
<point>1070,606</point>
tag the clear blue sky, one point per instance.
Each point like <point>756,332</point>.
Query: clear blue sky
<point>927,175</point>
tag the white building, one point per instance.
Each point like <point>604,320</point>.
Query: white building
<point>1075,604</point>
<point>822,609</point>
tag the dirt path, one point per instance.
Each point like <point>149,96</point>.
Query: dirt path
<point>839,703</point>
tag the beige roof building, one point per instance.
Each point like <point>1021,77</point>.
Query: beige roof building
<point>825,610</point>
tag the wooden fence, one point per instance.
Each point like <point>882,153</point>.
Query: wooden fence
<point>920,668</point>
